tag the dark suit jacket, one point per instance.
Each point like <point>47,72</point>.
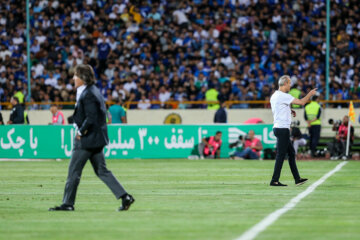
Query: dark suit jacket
<point>17,114</point>
<point>220,116</point>
<point>90,117</point>
<point>1,119</point>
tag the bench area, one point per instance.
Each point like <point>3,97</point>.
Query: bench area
<point>304,151</point>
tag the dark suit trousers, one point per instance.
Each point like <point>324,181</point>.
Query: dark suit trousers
<point>283,147</point>
<point>78,160</point>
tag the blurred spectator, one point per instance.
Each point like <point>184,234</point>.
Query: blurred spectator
<point>33,105</point>
<point>164,95</point>
<point>251,147</point>
<point>296,137</point>
<point>221,115</point>
<point>118,113</point>
<point>1,119</point>
<point>172,104</point>
<point>212,95</point>
<point>57,116</point>
<point>201,46</point>
<point>17,113</point>
<point>144,103</point>
<point>337,148</point>
<point>312,115</point>
<point>19,94</point>
<point>296,93</point>
<point>46,102</point>
<point>210,146</point>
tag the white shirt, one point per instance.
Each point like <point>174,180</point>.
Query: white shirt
<point>39,69</point>
<point>51,81</point>
<point>130,85</point>
<point>215,33</point>
<point>133,28</point>
<point>75,16</point>
<point>41,39</point>
<point>18,40</point>
<point>69,87</point>
<point>163,97</point>
<point>181,17</point>
<point>280,106</point>
<point>4,53</point>
<point>276,19</point>
<point>79,91</point>
<point>144,104</point>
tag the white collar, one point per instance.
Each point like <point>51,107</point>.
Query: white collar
<point>79,91</point>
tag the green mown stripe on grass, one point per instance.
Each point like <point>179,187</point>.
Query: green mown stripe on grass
<point>176,199</point>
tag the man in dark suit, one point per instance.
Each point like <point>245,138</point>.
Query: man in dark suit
<point>221,115</point>
<point>90,123</point>
<point>17,113</point>
<point>1,119</point>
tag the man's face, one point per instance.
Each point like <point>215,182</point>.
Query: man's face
<point>345,120</point>
<point>251,134</point>
<point>13,101</point>
<point>218,136</point>
<point>78,81</point>
<point>53,110</point>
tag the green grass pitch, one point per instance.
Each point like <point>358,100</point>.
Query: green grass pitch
<point>179,199</point>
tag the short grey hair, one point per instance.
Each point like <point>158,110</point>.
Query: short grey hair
<point>86,73</point>
<point>283,80</point>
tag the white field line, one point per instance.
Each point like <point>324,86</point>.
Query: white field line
<point>23,160</point>
<point>272,217</point>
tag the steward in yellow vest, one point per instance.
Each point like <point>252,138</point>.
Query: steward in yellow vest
<point>296,93</point>
<point>312,116</point>
<point>212,95</point>
<point>312,113</point>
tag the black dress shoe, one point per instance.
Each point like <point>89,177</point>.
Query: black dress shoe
<point>277,184</point>
<point>62,207</point>
<point>301,181</point>
<point>126,202</point>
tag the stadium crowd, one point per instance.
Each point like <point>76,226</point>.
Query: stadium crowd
<point>178,50</point>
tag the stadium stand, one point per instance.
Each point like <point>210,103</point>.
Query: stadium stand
<point>179,50</point>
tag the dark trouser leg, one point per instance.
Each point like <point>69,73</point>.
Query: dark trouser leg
<point>292,161</point>
<point>331,148</point>
<point>283,140</point>
<point>342,148</point>
<point>77,163</point>
<point>311,139</point>
<point>315,136</point>
<point>97,160</point>
<point>102,65</point>
<point>336,148</point>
